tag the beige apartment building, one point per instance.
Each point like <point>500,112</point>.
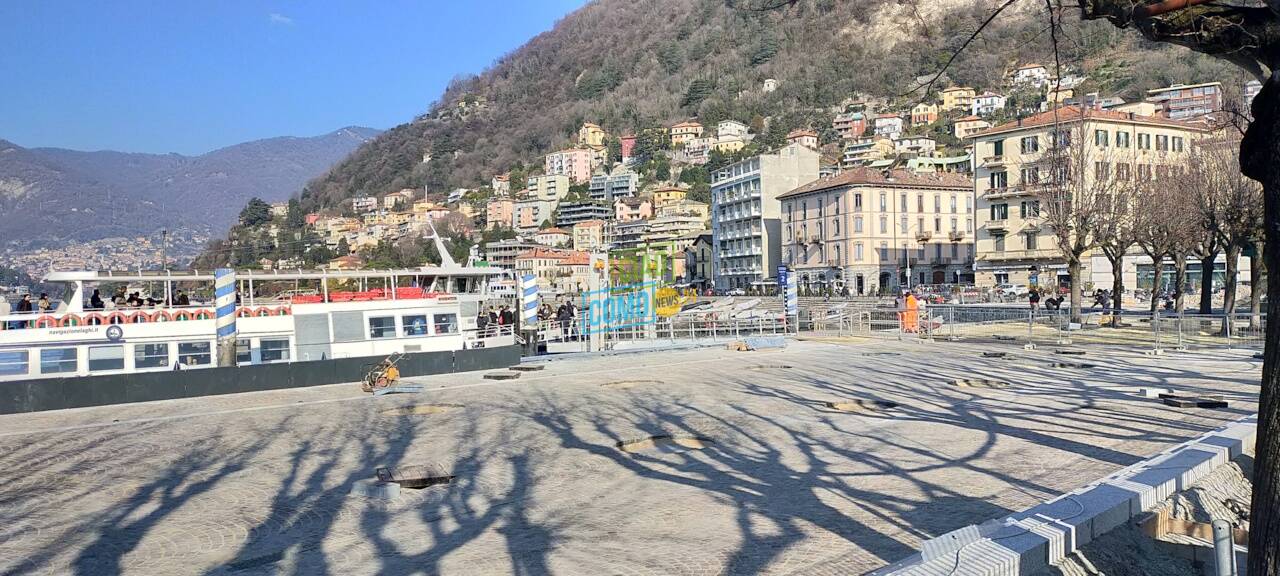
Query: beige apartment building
<point>1013,167</point>
<point>874,231</point>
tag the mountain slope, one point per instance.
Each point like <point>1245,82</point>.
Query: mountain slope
<point>632,64</point>
<point>51,196</point>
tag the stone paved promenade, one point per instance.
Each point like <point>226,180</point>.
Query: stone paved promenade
<point>260,483</point>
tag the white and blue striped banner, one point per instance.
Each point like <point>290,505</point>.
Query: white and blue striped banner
<point>793,296</point>
<point>529,299</point>
<point>224,294</point>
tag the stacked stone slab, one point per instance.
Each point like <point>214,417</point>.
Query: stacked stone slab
<point>1032,540</point>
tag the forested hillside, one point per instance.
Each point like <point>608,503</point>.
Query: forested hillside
<point>632,64</point>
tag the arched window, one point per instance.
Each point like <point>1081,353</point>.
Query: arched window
<point>835,227</point>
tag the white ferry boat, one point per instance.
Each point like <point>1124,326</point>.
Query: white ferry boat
<point>318,315</point>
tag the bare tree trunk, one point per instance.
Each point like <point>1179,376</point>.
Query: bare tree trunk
<point>1117,286</point>
<point>1260,160</point>
<point>1157,268</point>
<point>1206,282</point>
<point>1256,270</point>
<point>1180,277</point>
<point>1229,287</point>
<point>1073,270</point>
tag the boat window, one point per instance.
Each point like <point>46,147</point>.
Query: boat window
<point>14,362</point>
<point>194,353</point>
<point>382,327</point>
<point>57,360</point>
<point>275,349</point>
<point>244,351</point>
<point>150,355</point>
<point>415,325</point>
<point>446,323</point>
<point>106,358</point>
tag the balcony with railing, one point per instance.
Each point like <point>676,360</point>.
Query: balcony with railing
<point>993,161</point>
<point>956,235</point>
<point>996,225</point>
<point>924,236</point>
<point>1011,255</point>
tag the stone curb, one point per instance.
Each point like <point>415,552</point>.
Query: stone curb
<point>1034,539</point>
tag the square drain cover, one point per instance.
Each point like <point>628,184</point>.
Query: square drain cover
<point>415,475</point>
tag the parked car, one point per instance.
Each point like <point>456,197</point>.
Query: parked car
<point>1014,290</point>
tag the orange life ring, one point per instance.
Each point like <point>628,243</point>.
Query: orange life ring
<point>181,316</point>
<point>203,315</point>
<point>244,312</point>
<point>94,319</point>
<point>46,322</point>
<point>262,312</point>
<point>283,311</point>
<point>117,318</point>
<point>70,320</point>
<point>139,317</point>
<point>161,316</point>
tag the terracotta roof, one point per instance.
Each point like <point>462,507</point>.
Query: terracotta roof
<point>576,259</point>
<point>893,178</point>
<point>1030,66</point>
<point>686,125</point>
<point>954,88</point>
<point>590,223</point>
<point>553,230</point>
<point>1067,114</point>
<point>969,119</point>
<point>801,132</point>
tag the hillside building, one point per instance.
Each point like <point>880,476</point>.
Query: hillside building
<point>574,163</point>
<point>588,235</point>
<point>1187,101</point>
<point>924,113</point>
<point>591,135</point>
<point>957,98</point>
<point>548,187</point>
<point>570,214</point>
<point>621,183</point>
<point>683,132</point>
<point>803,137</point>
<point>500,212</point>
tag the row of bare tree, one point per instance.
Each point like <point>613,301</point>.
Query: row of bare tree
<point>1190,205</point>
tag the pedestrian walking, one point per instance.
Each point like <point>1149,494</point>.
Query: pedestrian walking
<point>1034,299</point>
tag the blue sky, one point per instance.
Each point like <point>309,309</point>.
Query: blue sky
<point>191,76</point>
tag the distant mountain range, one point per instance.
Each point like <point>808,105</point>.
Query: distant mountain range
<point>50,197</point>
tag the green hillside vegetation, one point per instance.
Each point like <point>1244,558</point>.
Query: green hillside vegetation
<point>633,65</point>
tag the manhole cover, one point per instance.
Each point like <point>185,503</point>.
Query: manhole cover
<point>1076,365</point>
<point>415,476</point>
<point>771,367</point>
<point>862,406</point>
<point>1068,352</point>
<point>527,368</point>
<point>664,443</point>
<point>421,410</point>
<point>979,383</point>
<point>994,354</point>
<point>624,384</point>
